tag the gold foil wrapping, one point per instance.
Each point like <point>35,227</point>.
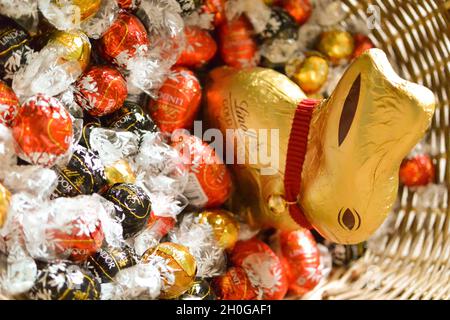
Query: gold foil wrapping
<point>119,172</point>
<point>5,197</point>
<point>224,225</point>
<point>74,45</point>
<point>357,140</point>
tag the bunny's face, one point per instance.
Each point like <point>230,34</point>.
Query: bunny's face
<point>357,141</point>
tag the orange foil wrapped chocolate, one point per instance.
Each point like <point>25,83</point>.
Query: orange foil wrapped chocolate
<point>263,267</point>
<point>333,164</point>
<point>417,171</point>
<point>300,10</point>
<point>303,257</point>
<point>124,39</point>
<point>101,91</point>
<point>200,48</point>
<point>178,101</point>
<point>233,285</point>
<point>9,104</point>
<point>42,130</point>
<point>209,184</point>
<point>238,47</point>
<point>217,8</point>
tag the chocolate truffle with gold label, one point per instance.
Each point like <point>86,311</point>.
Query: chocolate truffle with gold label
<point>84,174</point>
<point>130,117</point>
<point>132,206</point>
<point>63,280</point>
<point>107,262</point>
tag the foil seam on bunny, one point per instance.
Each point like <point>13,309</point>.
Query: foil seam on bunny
<point>297,146</point>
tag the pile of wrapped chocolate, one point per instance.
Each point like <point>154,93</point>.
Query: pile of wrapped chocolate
<point>109,191</point>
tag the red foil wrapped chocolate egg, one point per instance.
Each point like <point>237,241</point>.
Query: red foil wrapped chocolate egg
<point>238,48</point>
<point>200,48</point>
<point>300,10</point>
<point>263,267</point>
<point>209,184</point>
<point>178,101</point>
<point>9,104</point>
<point>233,285</point>
<point>417,171</point>
<point>216,8</point>
<point>101,91</point>
<point>42,130</point>
<point>303,258</point>
<point>124,39</point>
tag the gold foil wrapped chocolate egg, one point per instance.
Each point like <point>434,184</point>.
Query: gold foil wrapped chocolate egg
<point>341,156</point>
<point>182,263</point>
<point>311,74</point>
<point>336,45</point>
<point>5,198</point>
<point>224,225</point>
<point>119,172</point>
<point>74,45</point>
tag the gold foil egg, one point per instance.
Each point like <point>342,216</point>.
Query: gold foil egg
<point>336,45</point>
<point>5,198</point>
<point>311,74</point>
<point>119,172</point>
<point>182,263</point>
<point>349,146</point>
<point>224,225</point>
<point>74,45</point>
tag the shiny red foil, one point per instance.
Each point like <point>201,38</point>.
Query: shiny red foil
<point>300,10</point>
<point>42,130</point>
<point>9,104</point>
<point>263,267</point>
<point>210,181</point>
<point>101,91</point>
<point>200,48</point>
<point>303,260</point>
<point>417,171</point>
<point>217,8</point>
<point>178,101</point>
<point>238,48</point>
<point>233,285</point>
<point>123,39</point>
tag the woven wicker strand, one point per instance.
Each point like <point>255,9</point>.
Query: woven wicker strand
<point>412,260</point>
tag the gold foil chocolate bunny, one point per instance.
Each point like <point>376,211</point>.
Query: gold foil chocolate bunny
<point>338,159</point>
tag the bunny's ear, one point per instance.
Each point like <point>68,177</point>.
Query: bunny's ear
<point>349,110</point>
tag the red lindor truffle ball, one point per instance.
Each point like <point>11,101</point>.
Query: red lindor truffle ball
<point>209,184</point>
<point>300,10</point>
<point>178,101</point>
<point>417,171</point>
<point>233,285</point>
<point>362,44</point>
<point>101,91</point>
<point>200,48</point>
<point>42,130</point>
<point>238,48</point>
<point>263,267</point>
<point>161,225</point>
<point>303,257</point>
<point>128,4</point>
<point>81,240</point>
<point>124,39</point>
<point>9,104</point>
<point>217,8</point>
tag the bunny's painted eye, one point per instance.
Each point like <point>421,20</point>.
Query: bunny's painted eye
<point>349,110</point>
<point>349,220</point>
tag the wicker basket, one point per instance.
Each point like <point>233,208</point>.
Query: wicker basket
<point>412,259</point>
